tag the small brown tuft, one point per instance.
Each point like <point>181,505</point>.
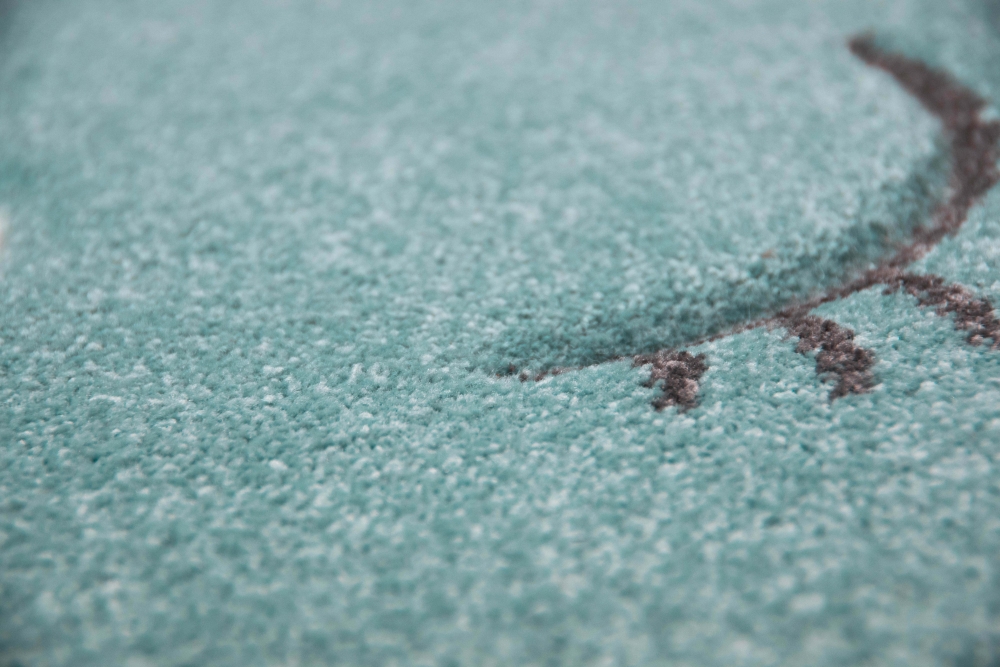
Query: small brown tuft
<point>679,372</point>
<point>838,355</point>
<point>971,314</point>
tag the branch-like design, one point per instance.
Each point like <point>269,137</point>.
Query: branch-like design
<point>974,154</point>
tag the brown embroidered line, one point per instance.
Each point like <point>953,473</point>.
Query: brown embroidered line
<point>974,155</point>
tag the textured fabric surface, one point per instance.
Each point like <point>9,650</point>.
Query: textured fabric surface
<point>270,269</point>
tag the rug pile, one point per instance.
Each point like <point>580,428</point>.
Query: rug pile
<point>499,333</point>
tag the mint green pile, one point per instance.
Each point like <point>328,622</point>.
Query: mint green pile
<point>263,261</point>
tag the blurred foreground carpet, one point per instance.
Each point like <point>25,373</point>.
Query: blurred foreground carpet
<point>272,271</point>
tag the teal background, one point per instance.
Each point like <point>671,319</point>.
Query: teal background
<point>262,260</point>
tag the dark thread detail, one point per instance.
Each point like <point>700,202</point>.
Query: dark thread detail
<point>974,155</point>
<point>838,355</point>
<point>679,373</point>
<point>971,314</point>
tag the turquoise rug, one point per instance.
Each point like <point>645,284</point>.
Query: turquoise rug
<point>499,333</point>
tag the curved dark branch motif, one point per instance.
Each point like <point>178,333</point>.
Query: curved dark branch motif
<point>973,141</point>
<point>974,154</point>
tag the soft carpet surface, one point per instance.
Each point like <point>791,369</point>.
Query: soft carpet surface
<point>319,326</point>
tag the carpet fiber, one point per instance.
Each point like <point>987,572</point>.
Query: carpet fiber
<point>497,333</point>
